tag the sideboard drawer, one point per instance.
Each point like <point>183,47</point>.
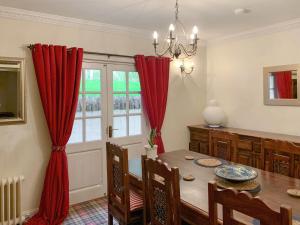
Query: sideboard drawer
<point>199,136</point>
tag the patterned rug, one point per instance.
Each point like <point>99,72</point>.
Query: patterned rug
<point>89,213</point>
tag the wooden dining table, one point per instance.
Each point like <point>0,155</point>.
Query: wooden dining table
<point>194,194</point>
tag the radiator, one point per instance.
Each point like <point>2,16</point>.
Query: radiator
<point>11,200</point>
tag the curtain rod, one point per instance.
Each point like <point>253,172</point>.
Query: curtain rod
<point>96,53</point>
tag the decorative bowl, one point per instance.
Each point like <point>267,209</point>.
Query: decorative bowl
<point>235,173</point>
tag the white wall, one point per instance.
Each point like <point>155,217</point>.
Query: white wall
<point>25,148</point>
<point>235,80</point>
<point>186,100</point>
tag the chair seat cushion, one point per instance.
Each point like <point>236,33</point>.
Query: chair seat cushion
<point>136,201</point>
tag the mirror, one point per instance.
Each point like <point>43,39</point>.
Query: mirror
<point>281,85</point>
<point>12,97</point>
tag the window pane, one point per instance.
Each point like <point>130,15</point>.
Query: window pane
<point>135,103</point>
<point>119,123</point>
<point>134,81</point>
<point>119,101</point>
<point>79,106</point>
<point>272,81</point>
<point>76,136</point>
<point>119,81</point>
<point>93,104</point>
<point>80,88</point>
<point>93,129</point>
<point>272,94</point>
<point>135,125</point>
<point>92,80</point>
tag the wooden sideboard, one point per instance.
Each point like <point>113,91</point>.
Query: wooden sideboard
<point>278,153</point>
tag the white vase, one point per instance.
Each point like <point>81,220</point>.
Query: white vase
<point>151,152</point>
<point>213,115</point>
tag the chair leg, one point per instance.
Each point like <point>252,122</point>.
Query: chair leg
<point>110,219</point>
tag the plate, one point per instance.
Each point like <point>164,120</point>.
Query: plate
<point>210,162</point>
<point>294,192</point>
<point>235,173</point>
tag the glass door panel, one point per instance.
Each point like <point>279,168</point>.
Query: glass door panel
<point>125,110</point>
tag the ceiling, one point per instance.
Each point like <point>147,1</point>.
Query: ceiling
<point>215,18</point>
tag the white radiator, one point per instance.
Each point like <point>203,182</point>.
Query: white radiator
<point>10,200</point>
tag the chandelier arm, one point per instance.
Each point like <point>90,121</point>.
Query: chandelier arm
<point>163,53</point>
<point>188,73</point>
<point>187,52</point>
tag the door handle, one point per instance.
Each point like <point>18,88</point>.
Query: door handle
<point>110,131</point>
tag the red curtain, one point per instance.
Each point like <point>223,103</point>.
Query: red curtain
<point>283,80</point>
<point>154,79</point>
<point>58,73</point>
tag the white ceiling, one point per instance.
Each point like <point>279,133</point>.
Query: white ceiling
<point>215,18</point>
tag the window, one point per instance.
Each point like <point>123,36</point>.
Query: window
<point>127,104</point>
<point>272,90</point>
<point>88,120</point>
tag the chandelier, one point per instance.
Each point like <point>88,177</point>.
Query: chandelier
<point>178,44</point>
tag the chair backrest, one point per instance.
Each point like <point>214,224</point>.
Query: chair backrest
<point>118,180</point>
<point>223,145</point>
<point>243,202</point>
<point>146,208</point>
<point>162,188</point>
<point>282,157</point>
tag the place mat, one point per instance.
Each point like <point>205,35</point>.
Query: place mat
<point>294,192</point>
<point>209,162</point>
<point>250,186</point>
<point>296,221</point>
<point>189,157</point>
<point>188,177</point>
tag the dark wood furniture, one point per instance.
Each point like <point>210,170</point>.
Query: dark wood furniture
<point>282,157</point>
<point>232,200</point>
<point>239,145</point>
<point>163,194</point>
<point>194,195</point>
<point>124,204</point>
<point>223,145</point>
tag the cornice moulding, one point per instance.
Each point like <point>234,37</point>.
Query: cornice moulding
<point>275,28</point>
<point>21,14</point>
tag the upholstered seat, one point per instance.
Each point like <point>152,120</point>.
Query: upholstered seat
<point>136,201</point>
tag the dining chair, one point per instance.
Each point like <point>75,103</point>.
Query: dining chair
<point>223,145</point>
<point>282,157</point>
<point>244,203</point>
<point>161,185</point>
<point>124,204</point>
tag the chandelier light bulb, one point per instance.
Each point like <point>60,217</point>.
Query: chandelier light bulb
<point>171,27</point>
<point>192,36</point>
<point>195,30</point>
<point>155,35</point>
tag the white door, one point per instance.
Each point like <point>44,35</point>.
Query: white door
<point>126,123</point>
<point>109,100</point>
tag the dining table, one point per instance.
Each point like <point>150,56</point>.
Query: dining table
<point>194,194</point>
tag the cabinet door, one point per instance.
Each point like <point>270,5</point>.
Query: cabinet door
<point>221,148</point>
<point>280,163</point>
<point>204,148</point>
<point>244,157</point>
<point>194,146</point>
<point>297,167</point>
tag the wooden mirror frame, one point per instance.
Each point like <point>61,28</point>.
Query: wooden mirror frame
<point>21,117</point>
<point>280,102</point>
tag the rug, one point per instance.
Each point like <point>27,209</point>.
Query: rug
<point>89,213</point>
